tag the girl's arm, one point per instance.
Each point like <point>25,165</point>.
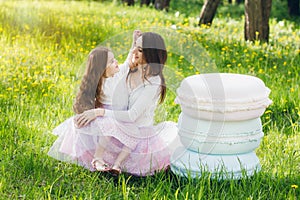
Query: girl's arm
<point>125,66</point>
<point>146,99</point>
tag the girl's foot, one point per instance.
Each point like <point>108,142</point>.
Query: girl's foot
<point>100,165</point>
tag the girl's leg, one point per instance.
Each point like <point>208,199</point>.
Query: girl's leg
<point>99,151</point>
<point>98,162</point>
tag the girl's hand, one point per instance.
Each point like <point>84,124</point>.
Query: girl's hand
<point>86,117</point>
<point>136,35</point>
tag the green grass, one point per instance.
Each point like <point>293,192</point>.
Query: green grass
<point>44,45</point>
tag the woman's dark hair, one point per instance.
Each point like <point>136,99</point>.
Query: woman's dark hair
<point>155,55</point>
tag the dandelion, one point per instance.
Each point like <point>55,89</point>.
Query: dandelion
<point>294,186</point>
<point>178,73</point>
<point>292,90</point>
<point>50,86</point>
<point>268,111</point>
<point>26,27</point>
<point>35,83</point>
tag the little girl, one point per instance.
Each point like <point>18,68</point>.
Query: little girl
<point>101,76</point>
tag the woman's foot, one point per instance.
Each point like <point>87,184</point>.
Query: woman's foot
<point>115,170</point>
<point>100,165</point>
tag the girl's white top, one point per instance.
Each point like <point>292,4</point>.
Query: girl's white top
<point>109,84</point>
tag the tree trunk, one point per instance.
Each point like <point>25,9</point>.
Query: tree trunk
<point>257,14</point>
<point>208,11</point>
<point>128,2</point>
<point>146,2</point>
<point>230,1</point>
<point>266,11</point>
<point>293,6</point>
<point>162,4</point>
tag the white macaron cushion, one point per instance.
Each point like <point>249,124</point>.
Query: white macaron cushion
<point>223,96</point>
<point>189,163</point>
<point>216,137</point>
<point>245,127</point>
<point>220,145</point>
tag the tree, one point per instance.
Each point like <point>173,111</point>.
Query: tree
<point>158,4</point>
<point>208,11</point>
<point>146,2</point>
<point>128,2</point>
<point>257,14</point>
<point>293,6</point>
<point>162,4</point>
<point>236,1</point>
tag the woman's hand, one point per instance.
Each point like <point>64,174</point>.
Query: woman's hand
<point>86,117</point>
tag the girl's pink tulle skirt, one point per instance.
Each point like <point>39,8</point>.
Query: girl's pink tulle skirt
<point>151,147</point>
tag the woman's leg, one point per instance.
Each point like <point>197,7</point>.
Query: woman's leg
<point>121,157</point>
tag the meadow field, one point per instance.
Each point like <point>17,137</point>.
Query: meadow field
<point>43,48</point>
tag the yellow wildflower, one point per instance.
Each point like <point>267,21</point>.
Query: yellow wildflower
<point>294,186</point>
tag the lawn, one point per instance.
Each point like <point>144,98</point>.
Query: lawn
<point>44,46</point>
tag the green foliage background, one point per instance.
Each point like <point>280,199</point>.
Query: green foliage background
<point>44,44</point>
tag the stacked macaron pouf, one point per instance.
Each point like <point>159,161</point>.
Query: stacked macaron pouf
<point>220,125</point>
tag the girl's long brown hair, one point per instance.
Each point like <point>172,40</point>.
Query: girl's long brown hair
<point>90,91</point>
